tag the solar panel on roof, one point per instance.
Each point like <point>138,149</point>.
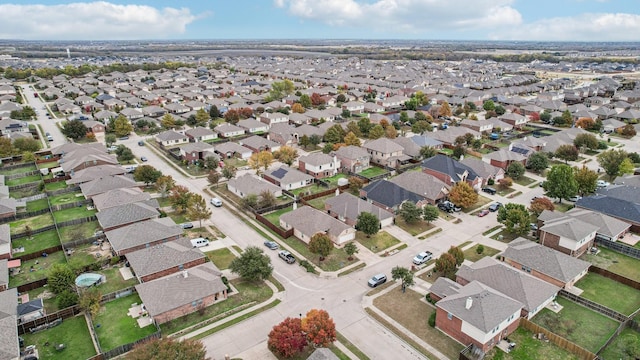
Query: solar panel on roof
<point>519,150</point>
<point>280,173</point>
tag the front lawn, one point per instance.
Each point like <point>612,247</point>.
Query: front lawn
<point>578,324</point>
<point>35,269</point>
<point>415,228</point>
<point>36,243</point>
<point>372,171</point>
<point>472,255</point>
<point>505,236</point>
<point>619,348</point>
<point>524,181</point>
<point>24,180</point>
<point>334,262</point>
<point>378,242</point>
<point>34,222</point>
<point>36,205</point>
<point>78,231</point>
<point>78,212</point>
<point>504,191</point>
<point>73,333</point>
<point>412,313</point>
<point>179,218</point>
<point>274,216</point>
<point>115,327</point>
<point>482,201</point>
<point>530,348</point>
<point>615,262</point>
<point>609,293</point>
<point>221,258</point>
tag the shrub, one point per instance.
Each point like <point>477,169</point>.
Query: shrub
<point>114,260</point>
<point>432,319</point>
<point>66,298</point>
<point>307,265</point>
<point>602,145</point>
<point>479,249</point>
<point>490,182</point>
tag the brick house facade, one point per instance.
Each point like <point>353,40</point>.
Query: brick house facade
<point>172,270</point>
<point>189,308</point>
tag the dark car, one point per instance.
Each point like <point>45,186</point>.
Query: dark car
<point>140,143</point>
<point>123,138</point>
<point>286,256</point>
<point>489,190</point>
<point>448,206</point>
<point>271,245</point>
<point>495,206</point>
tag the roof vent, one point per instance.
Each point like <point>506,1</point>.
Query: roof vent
<point>467,305</point>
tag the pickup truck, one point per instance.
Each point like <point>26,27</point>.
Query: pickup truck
<point>286,256</point>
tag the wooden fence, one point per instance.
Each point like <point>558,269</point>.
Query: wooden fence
<point>561,342</point>
<point>615,277</point>
<point>70,205</point>
<point>24,186</point>
<point>122,349</point>
<point>61,314</point>
<point>33,197</point>
<point>32,285</point>
<point>76,243</point>
<point>274,208</point>
<point>619,247</point>
<point>19,176</point>
<point>117,294</point>
<point>325,193</point>
<point>594,306</point>
<point>283,233</point>
<point>57,179</point>
<point>33,232</point>
<point>23,215</point>
<point>39,253</point>
<point>77,221</point>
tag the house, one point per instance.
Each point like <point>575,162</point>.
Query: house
<point>545,263</point>
<point>354,107</point>
<point>250,184</point>
<point>171,138</point>
<point>532,292</point>
<point>119,196</point>
<point>319,165</point>
<point>485,170</point>
<point>306,221</point>
<point>566,234</point>
<point>253,126</point>
<point>142,235</point>
<point>423,140</point>
<point>618,201</point>
<point>390,196</point>
<point>227,130</point>
<point>475,314</point>
<point>230,149</point>
<point>182,293</point>
<point>448,137</point>
<point>95,172</point>
<point>164,259</point>
<point>451,171</point>
<point>385,152</point>
<point>30,310</point>
<point>5,242</point>
<point>9,343</point>
<point>258,143</point>
<point>130,113</point>
<point>515,120</point>
<point>94,126</point>
<point>85,157</point>
<point>346,207</point>
<point>429,187</point>
<point>4,275</point>
<point>8,126</point>
<point>507,156</point>
<point>609,228</point>
<point>274,118</point>
<point>482,126</point>
<point>200,133</point>
<point>352,158</point>
<point>104,184</point>
<point>195,151</point>
<point>288,178</point>
<point>123,215</point>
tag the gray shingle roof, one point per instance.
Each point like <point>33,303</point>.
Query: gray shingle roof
<point>9,346</point>
<point>444,287</point>
<point>102,185</point>
<point>164,256</point>
<point>117,197</point>
<point>95,172</point>
<point>422,184</point>
<point>142,232</point>
<point>126,214</point>
<point>316,159</point>
<point>570,228</point>
<point>451,167</point>
<point>351,152</point>
<point>170,135</point>
<point>4,273</point>
<point>383,145</point>
<point>286,175</point>
<point>349,207</point>
<point>389,194</point>
<point>310,221</point>
<point>251,184</point>
<point>606,224</point>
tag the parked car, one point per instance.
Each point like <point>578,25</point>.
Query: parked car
<point>144,159</point>
<point>378,279</point>
<point>575,198</point>
<point>422,258</point>
<point>271,245</point>
<point>602,183</point>
<point>123,138</point>
<point>186,225</point>
<point>216,202</point>
<point>495,206</point>
<point>533,226</point>
<point>140,143</point>
<point>286,256</point>
<point>489,190</point>
<point>448,206</point>
<point>484,212</point>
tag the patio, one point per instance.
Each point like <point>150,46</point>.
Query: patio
<point>139,313</point>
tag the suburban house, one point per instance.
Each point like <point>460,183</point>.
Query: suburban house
<point>474,313</point>
<point>8,126</point>
<point>288,178</point>
<point>230,149</point>
<point>515,120</point>
<point>385,152</point>
<point>31,310</point>
<point>532,292</point>
<point>389,196</point>
<point>307,221</point>
<point>171,138</point>
<point>164,259</point>
<point>200,133</point>
<point>319,165</point>
<point>118,197</point>
<point>250,184</point>
<point>94,172</point>
<point>274,118</point>
<point>450,171</point>
<point>227,130</point>
<point>618,201</point>
<point>195,151</point>
<point>423,140</point>
<point>253,126</point>
<point>123,215</point>
<point>353,107</point>
<point>258,143</point>
<point>429,187</point>
<point>8,207</point>
<point>545,263</point>
<point>94,126</point>
<point>481,126</point>
<point>10,345</point>
<point>85,157</point>
<point>346,207</point>
<point>566,234</point>
<point>352,158</point>
<point>142,235</point>
<point>485,170</point>
<point>102,185</point>
<point>182,293</point>
<point>506,156</point>
<point>5,244</point>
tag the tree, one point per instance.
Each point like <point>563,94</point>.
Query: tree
<point>297,108</point>
<point>229,172</point>
<point>445,109</point>
<point>304,141</point>
<point>489,105</point>
<point>66,298</point>
<point>628,131</point>
<point>446,264</point>
<point>500,110</point>
<point>567,152</point>
<point>457,254</point>
<point>430,213</point>
<point>389,132</point>
<point>334,134</point>
<point>147,174</point>
<point>355,184</point>
<point>626,167</point>
<point>540,204</point>
<point>250,201</point>
<point>610,161</point>
<point>352,139</point>
<point>586,179</point>
<point>315,139</point>
<point>514,217</point>
<point>211,162</point>
<point>428,151</point>
<point>213,177</point>
<point>585,123</point>
<point>124,153</point>
<point>376,132</point>
<point>280,89</point>
<point>28,156</point>
<point>403,274</point>
<point>515,170</point>
<point>538,162</point>
<point>459,151</point>
<point>287,339</point>
<point>588,141</point>
<point>202,117</point>
<point>305,101</point>
<point>26,145</point>
<point>505,183</point>
<point>321,244</point>
<point>260,160</point>
<point>110,139</point>
<point>89,301</point>
<point>286,155</point>
<point>409,212</point>
<point>197,208</point>
<point>180,197</point>
<point>252,265</point>
<point>60,278</point>
<point>122,126</point>
<point>545,116</point>
<point>421,126</point>
<point>351,249</point>
<point>560,182</point>
<point>168,348</point>
<point>164,184</point>
<point>462,194</point>
<point>74,129</point>
<point>214,112</point>
<point>368,223</point>
<point>317,100</point>
<point>319,328</point>
<point>266,199</point>
<point>168,121</point>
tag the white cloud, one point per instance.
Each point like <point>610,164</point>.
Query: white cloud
<point>407,16</point>
<point>584,27</point>
<point>94,21</point>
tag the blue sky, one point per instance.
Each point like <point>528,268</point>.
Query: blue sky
<point>553,20</point>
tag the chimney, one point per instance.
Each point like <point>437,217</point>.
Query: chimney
<point>185,275</point>
<point>468,304</point>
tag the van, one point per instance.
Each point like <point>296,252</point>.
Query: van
<point>49,138</point>
<point>216,202</point>
<point>199,242</point>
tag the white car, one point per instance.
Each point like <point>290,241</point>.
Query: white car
<point>602,183</point>
<point>216,202</point>
<point>422,258</point>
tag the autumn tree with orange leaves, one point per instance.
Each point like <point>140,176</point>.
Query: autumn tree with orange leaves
<point>319,327</point>
<point>287,338</point>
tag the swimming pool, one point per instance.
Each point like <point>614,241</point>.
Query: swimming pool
<point>89,279</point>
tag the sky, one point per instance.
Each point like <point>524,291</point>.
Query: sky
<point>523,20</point>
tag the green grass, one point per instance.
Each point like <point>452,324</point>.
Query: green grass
<point>73,213</point>
<point>116,327</point>
<point>247,292</point>
<point>372,171</point>
<point>55,185</point>
<point>79,231</point>
<point>82,256</point>
<point>48,165</point>
<point>274,217</point>
<point>471,254</point>
<point>318,203</point>
<point>505,236</point>
<point>334,262</point>
<point>73,333</point>
<point>615,262</point>
<point>49,300</point>
<point>20,170</point>
<point>309,190</point>
<point>37,242</point>
<point>221,258</point>
<point>529,348</point>
<point>482,201</point>
<point>39,270</point>
<point>491,230</point>
<point>34,222</point>
<point>178,217</point>
<point>378,242</point>
<point>333,180</point>
<point>115,281</point>
<point>524,181</point>
<point>578,324</point>
<point>239,319</point>
<point>353,269</point>
<point>65,198</point>
<point>24,180</point>
<point>563,207</point>
<point>505,192</point>
<point>36,205</point>
<point>416,228</point>
<point>609,293</point>
<point>619,348</point>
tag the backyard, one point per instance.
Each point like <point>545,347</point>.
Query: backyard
<point>472,255</point>
<point>78,212</point>
<point>615,262</point>
<point>34,222</point>
<point>18,170</point>
<point>65,198</point>
<point>115,327</point>
<point>318,203</point>
<point>333,180</point>
<point>625,346</point>
<point>403,307</point>
<point>578,324</point>
<point>36,242</point>
<point>378,242</point>
<point>24,180</point>
<point>221,258</point>
<point>35,269</point>
<point>609,293</point>
<point>73,333</point>
<point>78,231</point>
<point>48,298</point>
<point>36,205</point>
<point>309,190</point>
<point>114,281</point>
<point>372,171</point>
<point>529,348</point>
<point>274,216</point>
<point>55,185</point>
